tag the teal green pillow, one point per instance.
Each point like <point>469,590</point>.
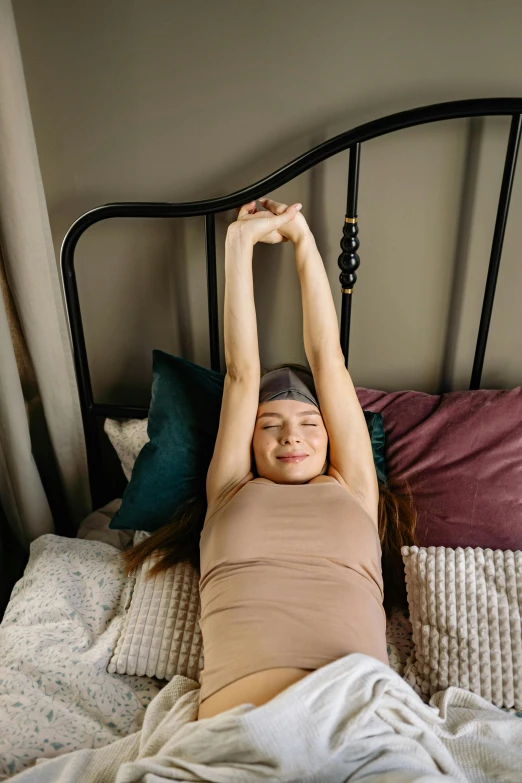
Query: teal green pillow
<point>375,426</point>
<point>182,428</point>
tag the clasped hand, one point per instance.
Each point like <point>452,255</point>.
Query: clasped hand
<point>277,223</point>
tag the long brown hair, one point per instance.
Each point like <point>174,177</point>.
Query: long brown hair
<point>178,540</point>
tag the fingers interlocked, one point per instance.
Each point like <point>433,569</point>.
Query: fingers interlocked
<point>264,225</point>
<point>277,207</point>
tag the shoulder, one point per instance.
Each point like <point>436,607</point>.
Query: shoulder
<point>369,508</point>
<point>227,495</point>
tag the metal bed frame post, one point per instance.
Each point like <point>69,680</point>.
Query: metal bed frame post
<point>212,298</point>
<point>83,377</point>
<point>496,248</point>
<point>349,260</point>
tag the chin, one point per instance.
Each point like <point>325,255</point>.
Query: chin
<point>296,476</point>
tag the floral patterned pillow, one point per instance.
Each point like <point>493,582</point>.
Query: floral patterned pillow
<point>128,437</point>
<point>399,639</point>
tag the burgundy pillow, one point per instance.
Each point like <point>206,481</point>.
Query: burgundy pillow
<point>461,453</point>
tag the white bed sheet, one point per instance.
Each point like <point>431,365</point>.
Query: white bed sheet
<point>55,639</point>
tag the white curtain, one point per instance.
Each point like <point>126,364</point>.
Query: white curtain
<point>43,470</point>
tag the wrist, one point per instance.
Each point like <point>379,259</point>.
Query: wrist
<point>238,242</point>
<point>304,247</point>
<point>304,239</point>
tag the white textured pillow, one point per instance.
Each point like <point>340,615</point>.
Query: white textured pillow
<point>465,610</point>
<point>160,634</point>
<point>128,437</point>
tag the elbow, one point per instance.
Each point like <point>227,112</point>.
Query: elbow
<point>240,373</point>
<point>332,357</point>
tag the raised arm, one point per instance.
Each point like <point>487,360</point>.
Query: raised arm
<point>240,323</point>
<point>231,460</point>
<point>320,326</point>
<point>350,445</point>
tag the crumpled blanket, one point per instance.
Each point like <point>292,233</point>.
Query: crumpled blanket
<point>353,720</point>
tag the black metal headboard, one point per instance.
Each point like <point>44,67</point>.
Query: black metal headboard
<point>348,259</point>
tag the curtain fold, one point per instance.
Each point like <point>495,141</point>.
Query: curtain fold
<point>43,468</point>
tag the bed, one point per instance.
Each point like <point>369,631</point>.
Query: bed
<point>65,614</point>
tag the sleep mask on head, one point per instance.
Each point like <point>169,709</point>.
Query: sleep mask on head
<point>288,384</point>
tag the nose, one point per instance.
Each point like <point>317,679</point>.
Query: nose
<point>290,435</point>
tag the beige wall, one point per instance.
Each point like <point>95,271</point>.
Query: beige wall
<point>165,100</point>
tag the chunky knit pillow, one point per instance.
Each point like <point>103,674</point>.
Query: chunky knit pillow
<point>160,634</point>
<point>465,610</point>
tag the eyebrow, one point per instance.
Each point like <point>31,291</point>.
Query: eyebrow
<point>280,415</point>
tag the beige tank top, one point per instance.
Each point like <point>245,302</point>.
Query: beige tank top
<point>290,576</point>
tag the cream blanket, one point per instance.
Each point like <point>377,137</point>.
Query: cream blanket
<point>353,720</point>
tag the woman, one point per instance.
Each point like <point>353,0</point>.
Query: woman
<point>295,522</point>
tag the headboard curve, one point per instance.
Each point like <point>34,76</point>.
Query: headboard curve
<point>348,260</point>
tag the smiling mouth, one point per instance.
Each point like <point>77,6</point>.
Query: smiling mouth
<point>293,458</point>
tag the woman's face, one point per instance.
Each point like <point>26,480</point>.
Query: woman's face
<point>284,428</point>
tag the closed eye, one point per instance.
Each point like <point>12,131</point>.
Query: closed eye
<point>270,426</point>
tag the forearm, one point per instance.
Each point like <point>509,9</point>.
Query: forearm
<point>320,325</point>
<point>240,324</point>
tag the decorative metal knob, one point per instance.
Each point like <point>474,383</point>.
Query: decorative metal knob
<point>349,261</point>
